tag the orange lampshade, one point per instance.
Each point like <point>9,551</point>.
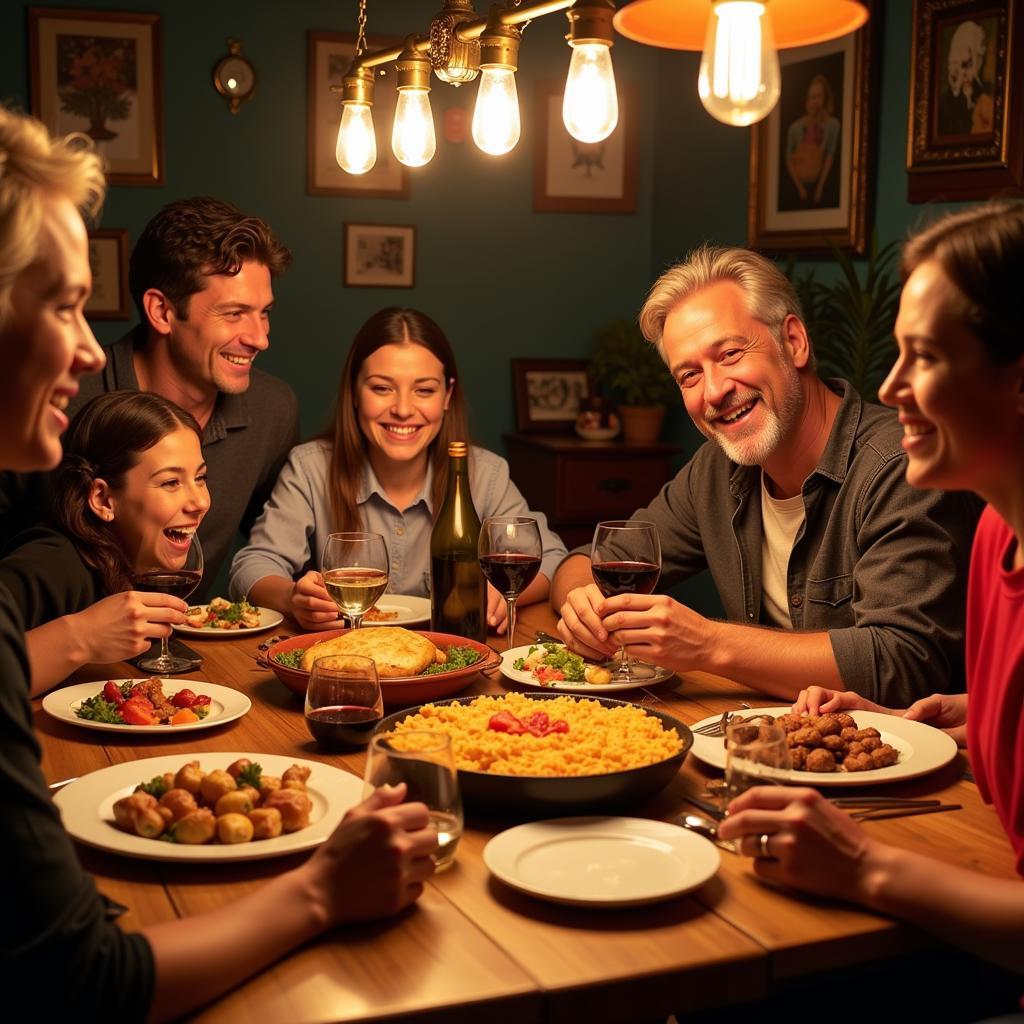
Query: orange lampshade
<point>683,24</point>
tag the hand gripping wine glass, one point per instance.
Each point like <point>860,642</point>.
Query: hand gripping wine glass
<point>510,552</point>
<point>423,760</point>
<point>355,568</point>
<point>178,581</point>
<point>625,558</point>
<point>343,701</point>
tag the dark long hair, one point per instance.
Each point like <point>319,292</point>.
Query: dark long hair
<point>105,440</point>
<point>391,326</point>
<point>981,250</point>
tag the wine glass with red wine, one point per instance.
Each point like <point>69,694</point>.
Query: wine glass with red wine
<point>510,552</point>
<point>178,581</point>
<point>355,569</point>
<point>343,701</point>
<point>626,559</point>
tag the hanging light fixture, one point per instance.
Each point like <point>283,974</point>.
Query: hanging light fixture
<point>356,151</point>
<point>456,61</point>
<point>590,106</point>
<point>739,79</point>
<point>496,123</point>
<point>412,137</point>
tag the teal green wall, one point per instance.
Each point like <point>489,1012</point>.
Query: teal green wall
<point>502,280</point>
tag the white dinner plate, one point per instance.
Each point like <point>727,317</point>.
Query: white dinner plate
<point>268,619</point>
<point>410,610</point>
<point>922,749</point>
<point>608,862</point>
<point>527,679</point>
<point>225,705</point>
<point>86,805</point>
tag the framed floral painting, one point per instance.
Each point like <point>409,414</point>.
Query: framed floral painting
<point>100,73</point>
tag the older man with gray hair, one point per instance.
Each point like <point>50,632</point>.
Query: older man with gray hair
<point>831,568</point>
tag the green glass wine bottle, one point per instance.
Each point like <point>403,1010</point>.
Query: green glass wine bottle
<point>458,591</point>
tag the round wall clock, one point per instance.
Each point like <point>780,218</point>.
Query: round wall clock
<point>234,77</point>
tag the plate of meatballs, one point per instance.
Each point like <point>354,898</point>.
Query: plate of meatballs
<point>182,807</point>
<point>859,748</point>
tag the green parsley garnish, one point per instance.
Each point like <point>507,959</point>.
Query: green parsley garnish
<point>155,787</point>
<point>97,709</point>
<point>292,658</point>
<point>458,657</point>
<point>251,776</point>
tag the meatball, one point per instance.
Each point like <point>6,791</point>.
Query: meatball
<point>833,743</point>
<point>266,822</point>
<point>189,777</point>
<point>870,743</point>
<point>858,763</point>
<point>848,733</point>
<point>294,806</point>
<point>196,828</point>
<point>237,767</point>
<point>790,722</point>
<point>797,757</point>
<point>863,734</point>
<point>235,802</point>
<point>216,784</point>
<point>268,784</point>
<point>820,760</point>
<point>828,725</point>
<point>127,805</point>
<point>296,772</point>
<point>884,756</point>
<point>234,828</point>
<point>808,736</point>
<point>845,721</point>
<point>148,822</point>
<point>179,802</point>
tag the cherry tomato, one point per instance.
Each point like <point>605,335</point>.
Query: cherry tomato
<point>112,692</point>
<point>201,701</point>
<point>183,699</point>
<point>135,714</point>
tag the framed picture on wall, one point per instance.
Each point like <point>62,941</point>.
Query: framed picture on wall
<point>548,392</point>
<point>966,100</point>
<point>100,73</point>
<point>811,158</point>
<point>583,177</point>
<point>380,255</point>
<point>108,260</point>
<point>330,55</point>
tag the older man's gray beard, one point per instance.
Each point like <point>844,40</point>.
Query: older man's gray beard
<point>778,425</point>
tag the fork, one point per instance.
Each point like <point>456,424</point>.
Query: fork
<point>715,728</point>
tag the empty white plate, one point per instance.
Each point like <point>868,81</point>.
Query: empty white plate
<point>602,861</point>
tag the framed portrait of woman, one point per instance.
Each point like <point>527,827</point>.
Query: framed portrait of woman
<point>810,158</point>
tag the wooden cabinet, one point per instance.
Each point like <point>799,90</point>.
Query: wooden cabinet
<point>575,483</point>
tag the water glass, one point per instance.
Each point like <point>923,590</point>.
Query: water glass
<point>423,760</point>
<point>755,755</point>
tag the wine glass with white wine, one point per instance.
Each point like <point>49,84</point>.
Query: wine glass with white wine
<point>355,569</point>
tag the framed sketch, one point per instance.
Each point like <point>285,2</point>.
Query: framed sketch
<point>108,260</point>
<point>380,255</point>
<point>583,177</point>
<point>966,100</point>
<point>100,73</point>
<point>810,159</point>
<point>330,55</point>
<point>548,392</point>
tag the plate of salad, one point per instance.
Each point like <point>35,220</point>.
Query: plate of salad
<point>551,666</point>
<point>222,617</point>
<point>144,706</point>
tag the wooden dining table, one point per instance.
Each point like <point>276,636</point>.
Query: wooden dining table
<point>471,948</point>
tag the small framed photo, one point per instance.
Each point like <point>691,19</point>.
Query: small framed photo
<point>380,255</point>
<point>966,100</point>
<point>810,159</point>
<point>108,260</point>
<point>100,73</point>
<point>549,392</point>
<point>583,177</point>
<point>330,55</point>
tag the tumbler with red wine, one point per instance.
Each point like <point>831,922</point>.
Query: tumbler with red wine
<point>625,558</point>
<point>510,554</point>
<point>343,701</point>
<point>178,581</point>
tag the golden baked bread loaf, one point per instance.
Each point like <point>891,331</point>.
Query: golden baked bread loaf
<point>397,651</point>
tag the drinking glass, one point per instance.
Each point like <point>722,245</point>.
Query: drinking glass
<point>510,551</point>
<point>179,581</point>
<point>625,558</point>
<point>343,701</point>
<point>355,568</point>
<point>423,760</point>
<point>755,755</point>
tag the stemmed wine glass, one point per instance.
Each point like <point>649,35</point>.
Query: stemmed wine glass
<point>625,558</point>
<point>343,701</point>
<point>178,581</point>
<point>510,552</point>
<point>355,568</point>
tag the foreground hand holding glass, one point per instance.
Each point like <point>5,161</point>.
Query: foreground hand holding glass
<point>343,701</point>
<point>510,554</point>
<point>423,760</point>
<point>178,581</point>
<point>355,568</point>
<point>625,558</point>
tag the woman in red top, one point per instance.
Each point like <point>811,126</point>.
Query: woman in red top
<point>958,384</point>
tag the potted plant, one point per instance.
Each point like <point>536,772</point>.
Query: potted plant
<point>629,369</point>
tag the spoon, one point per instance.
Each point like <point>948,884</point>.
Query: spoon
<point>699,824</point>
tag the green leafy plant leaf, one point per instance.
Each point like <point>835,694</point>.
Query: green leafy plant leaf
<point>628,367</point>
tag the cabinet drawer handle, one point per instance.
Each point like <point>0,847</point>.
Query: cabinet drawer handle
<point>613,485</point>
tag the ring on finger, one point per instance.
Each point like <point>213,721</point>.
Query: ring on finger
<point>763,853</point>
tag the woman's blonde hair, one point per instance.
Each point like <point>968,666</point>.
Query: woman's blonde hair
<point>33,165</point>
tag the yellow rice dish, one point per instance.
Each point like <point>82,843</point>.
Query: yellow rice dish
<point>598,739</point>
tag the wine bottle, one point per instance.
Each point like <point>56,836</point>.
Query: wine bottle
<point>458,593</point>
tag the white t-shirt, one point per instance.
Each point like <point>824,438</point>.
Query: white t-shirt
<point>781,519</point>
